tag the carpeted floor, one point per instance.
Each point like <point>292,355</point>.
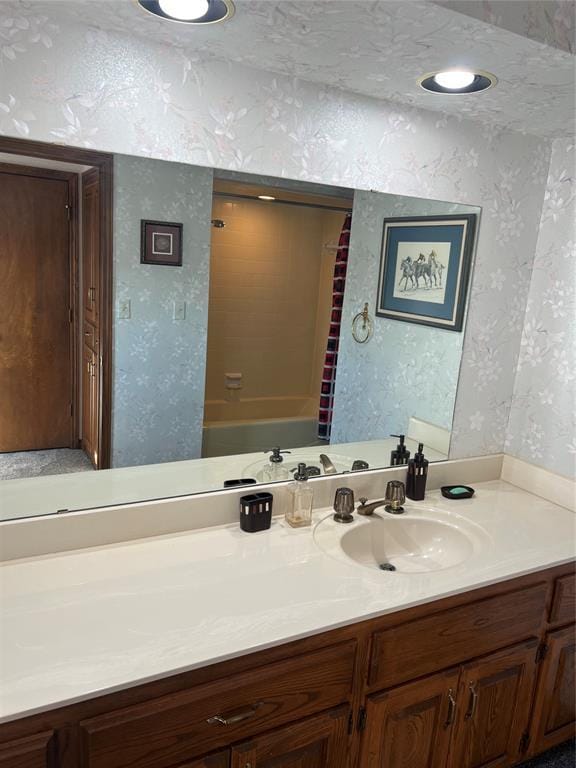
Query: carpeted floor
<point>563,756</point>
<point>35,463</point>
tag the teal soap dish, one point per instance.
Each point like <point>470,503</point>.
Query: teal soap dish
<point>457,491</point>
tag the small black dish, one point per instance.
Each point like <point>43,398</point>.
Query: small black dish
<point>457,491</point>
<point>241,481</point>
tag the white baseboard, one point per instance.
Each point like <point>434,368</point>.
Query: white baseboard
<point>539,481</point>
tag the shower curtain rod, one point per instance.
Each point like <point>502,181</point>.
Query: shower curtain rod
<point>285,202</point>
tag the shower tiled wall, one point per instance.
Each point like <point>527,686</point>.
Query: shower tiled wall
<point>270,287</point>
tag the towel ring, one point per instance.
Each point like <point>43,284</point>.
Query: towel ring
<point>362,326</point>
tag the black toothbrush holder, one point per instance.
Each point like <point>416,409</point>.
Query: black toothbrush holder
<point>256,512</point>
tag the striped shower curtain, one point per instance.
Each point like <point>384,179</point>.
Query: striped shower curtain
<point>331,357</point>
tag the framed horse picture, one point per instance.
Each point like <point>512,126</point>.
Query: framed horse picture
<point>425,269</point>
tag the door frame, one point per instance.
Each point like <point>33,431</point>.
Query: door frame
<point>105,164</point>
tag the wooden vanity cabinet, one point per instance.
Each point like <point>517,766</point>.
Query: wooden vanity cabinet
<point>554,719</point>
<point>29,752</point>
<point>410,726</point>
<point>494,701</point>
<point>220,760</point>
<point>319,742</point>
<point>169,730</point>
<point>483,679</point>
<point>473,716</point>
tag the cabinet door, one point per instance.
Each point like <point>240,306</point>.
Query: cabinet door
<point>29,752</point>
<point>319,742</point>
<point>91,244</point>
<point>555,708</point>
<point>410,726</point>
<point>90,403</point>
<point>495,694</point>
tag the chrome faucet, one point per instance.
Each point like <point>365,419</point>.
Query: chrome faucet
<point>395,497</point>
<point>327,466</point>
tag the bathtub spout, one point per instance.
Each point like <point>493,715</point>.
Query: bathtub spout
<point>327,466</point>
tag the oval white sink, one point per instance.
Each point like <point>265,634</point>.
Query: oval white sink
<point>415,542</point>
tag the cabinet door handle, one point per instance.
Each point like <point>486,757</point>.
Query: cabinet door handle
<point>451,709</point>
<point>245,714</point>
<point>473,701</point>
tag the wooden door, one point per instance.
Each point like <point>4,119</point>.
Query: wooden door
<point>554,719</point>
<point>36,348</point>
<point>318,742</point>
<point>411,726</point>
<point>495,696</point>
<point>91,245</point>
<point>90,404</point>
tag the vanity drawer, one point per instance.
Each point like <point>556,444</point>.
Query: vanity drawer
<point>172,730</point>
<point>29,752</point>
<point>563,608</point>
<point>450,637</point>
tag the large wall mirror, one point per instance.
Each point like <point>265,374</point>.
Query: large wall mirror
<point>227,328</point>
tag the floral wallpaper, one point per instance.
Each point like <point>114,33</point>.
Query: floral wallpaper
<point>542,427</point>
<point>159,362</point>
<point>80,85</point>
<point>405,369</point>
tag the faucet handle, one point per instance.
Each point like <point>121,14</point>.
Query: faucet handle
<point>344,505</point>
<point>395,497</point>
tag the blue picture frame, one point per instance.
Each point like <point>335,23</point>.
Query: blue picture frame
<point>425,269</point>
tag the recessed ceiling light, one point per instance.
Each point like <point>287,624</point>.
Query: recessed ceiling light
<point>190,11</point>
<point>184,10</point>
<point>456,81</point>
<point>453,80</point>
<point>266,197</point>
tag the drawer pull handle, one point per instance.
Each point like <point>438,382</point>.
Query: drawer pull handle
<point>245,714</point>
<point>451,709</point>
<point>473,701</point>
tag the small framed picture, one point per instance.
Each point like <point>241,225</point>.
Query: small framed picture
<point>161,243</point>
<point>425,268</point>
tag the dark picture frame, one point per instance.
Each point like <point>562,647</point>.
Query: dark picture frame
<point>425,267</point>
<point>161,243</point>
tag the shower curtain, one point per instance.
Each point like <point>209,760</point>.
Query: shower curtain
<point>331,357</point>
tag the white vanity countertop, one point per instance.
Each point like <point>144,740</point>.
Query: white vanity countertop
<point>92,621</point>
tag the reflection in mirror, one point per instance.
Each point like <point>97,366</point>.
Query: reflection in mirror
<point>257,323</point>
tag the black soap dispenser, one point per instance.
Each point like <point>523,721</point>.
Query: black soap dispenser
<point>401,454</point>
<point>417,475</point>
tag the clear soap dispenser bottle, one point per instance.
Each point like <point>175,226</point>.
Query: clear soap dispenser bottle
<point>299,512</point>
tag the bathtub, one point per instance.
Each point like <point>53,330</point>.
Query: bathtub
<point>257,424</point>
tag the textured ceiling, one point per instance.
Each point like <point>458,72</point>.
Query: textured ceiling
<point>373,47</point>
<point>548,21</point>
